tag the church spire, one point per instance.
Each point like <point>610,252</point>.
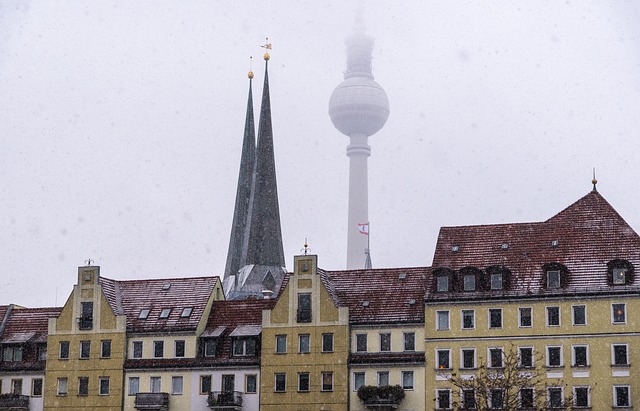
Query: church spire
<point>264,240</point>
<point>243,192</point>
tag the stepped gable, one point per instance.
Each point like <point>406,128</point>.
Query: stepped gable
<point>589,234</point>
<point>132,296</point>
<point>394,295</point>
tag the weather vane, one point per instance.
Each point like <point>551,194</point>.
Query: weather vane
<point>89,261</point>
<point>306,248</point>
<point>267,46</point>
<point>594,181</point>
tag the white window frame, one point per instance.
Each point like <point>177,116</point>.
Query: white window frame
<point>437,360</point>
<point>300,375</point>
<point>438,405</point>
<point>407,373</point>
<point>404,341</point>
<point>308,348</point>
<point>555,387</point>
<point>573,315</point>
<point>462,350</point>
<point>379,374</point>
<point>489,362</point>
<point>380,341</point>
<point>133,349</point>
<point>324,346</point>
<point>496,276</point>
<point>573,355</point>
<point>275,382</point>
<point>100,381</point>
<point>553,347</point>
<point>546,310</point>
<point>62,381</point>
<point>613,354</point>
<point>129,385</point>
<point>366,342</point>
<point>364,379</point>
<point>464,282</point>
<point>575,397</point>
<point>520,317</point>
<point>615,397</point>
<point>624,307</point>
<point>174,380</point>
<point>473,317</point>
<point>555,272</point>
<point>533,359</point>
<point>444,314</point>
<point>533,393</point>
<point>280,337</point>
<point>615,278</point>
<point>495,309</point>
<point>322,388</point>
<point>442,283</point>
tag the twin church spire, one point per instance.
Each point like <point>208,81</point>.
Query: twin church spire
<point>255,260</point>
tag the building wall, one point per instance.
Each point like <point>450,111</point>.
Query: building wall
<point>36,402</point>
<point>178,400</point>
<point>598,335</point>
<point>105,326</point>
<point>327,318</point>
<point>250,400</point>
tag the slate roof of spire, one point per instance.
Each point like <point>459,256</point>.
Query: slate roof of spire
<point>584,237</point>
<point>130,297</point>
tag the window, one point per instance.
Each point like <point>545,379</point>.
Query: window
<point>621,396</point>
<point>176,385</point>
<point>281,344</point>
<point>327,342</point>
<point>64,350</point>
<point>383,378</point>
<point>525,357</point>
<point>303,381</point>
<point>469,282</point>
<point>496,281</point>
<point>205,384</point>
<point>41,352</point>
<point>85,349</point>
<point>304,343</point>
<point>468,319</point>
<point>620,354</point>
<point>495,357</point>
<point>469,399</point>
<point>210,347</point>
<point>134,385</point>
<point>158,349</point>
<point>12,354</point>
<point>526,398</point>
<point>105,349</point>
<point>179,348</point>
<point>619,276</point>
<point>385,342</point>
<point>358,380</point>
<point>496,396</point>
<point>553,316</point>
<point>137,349</point>
<point>103,385</point>
<point>581,397</point>
<point>186,312</point>
<point>251,383</point>
<point>85,322</point>
<point>579,314</point>
<point>327,381</point>
<point>442,283</point>
<point>62,386</point>
<point>361,342</point>
<point>468,358</point>
<point>281,382</point>
<point>407,380</point>
<point>618,314</point>
<point>83,386</point>
<point>165,313</point>
<point>304,308</point>
<point>156,384</point>
<point>525,318</point>
<point>553,279</point>
<point>36,387</point>
<point>580,356</point>
<point>442,320</point>
<point>443,399</point>
<point>554,356</point>
<point>443,359</point>
<point>244,347</point>
<point>409,341</point>
<point>495,317</point>
<point>554,397</point>
<point>16,386</point>
<point>144,313</point>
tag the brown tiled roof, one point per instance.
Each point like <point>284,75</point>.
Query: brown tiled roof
<point>31,324</point>
<point>386,294</point>
<point>130,297</point>
<point>589,234</point>
<point>4,309</point>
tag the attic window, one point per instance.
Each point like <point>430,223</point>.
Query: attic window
<point>186,312</point>
<point>442,283</point>
<point>412,301</point>
<point>496,281</point>
<point>504,246</point>
<point>620,272</point>
<point>166,286</point>
<point>556,275</point>
<point>144,313</point>
<point>165,313</point>
<point>555,243</point>
<point>402,276</point>
<point>365,303</point>
<point>553,279</point>
<point>455,248</point>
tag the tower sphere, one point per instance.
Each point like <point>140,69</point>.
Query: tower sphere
<point>359,105</point>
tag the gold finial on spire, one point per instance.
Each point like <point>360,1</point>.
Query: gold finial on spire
<point>594,181</point>
<point>266,46</point>
<point>250,75</point>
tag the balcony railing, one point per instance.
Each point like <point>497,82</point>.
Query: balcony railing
<point>14,402</point>
<point>85,323</point>
<point>155,401</point>
<point>384,398</point>
<point>304,315</point>
<point>230,400</point>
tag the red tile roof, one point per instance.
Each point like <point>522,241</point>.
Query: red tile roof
<point>390,295</point>
<point>130,297</point>
<point>31,324</point>
<point>589,234</point>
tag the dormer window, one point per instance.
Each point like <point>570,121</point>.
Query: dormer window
<point>620,272</point>
<point>470,278</point>
<point>619,275</point>
<point>442,283</point>
<point>496,281</point>
<point>497,278</point>
<point>469,282</point>
<point>553,279</point>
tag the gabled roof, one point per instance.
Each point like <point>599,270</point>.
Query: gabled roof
<point>584,237</point>
<point>4,309</point>
<point>129,298</point>
<point>379,296</point>
<point>28,325</point>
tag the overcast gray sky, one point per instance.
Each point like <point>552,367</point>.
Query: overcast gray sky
<point>121,126</point>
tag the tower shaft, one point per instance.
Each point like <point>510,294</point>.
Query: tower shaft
<point>358,152</point>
